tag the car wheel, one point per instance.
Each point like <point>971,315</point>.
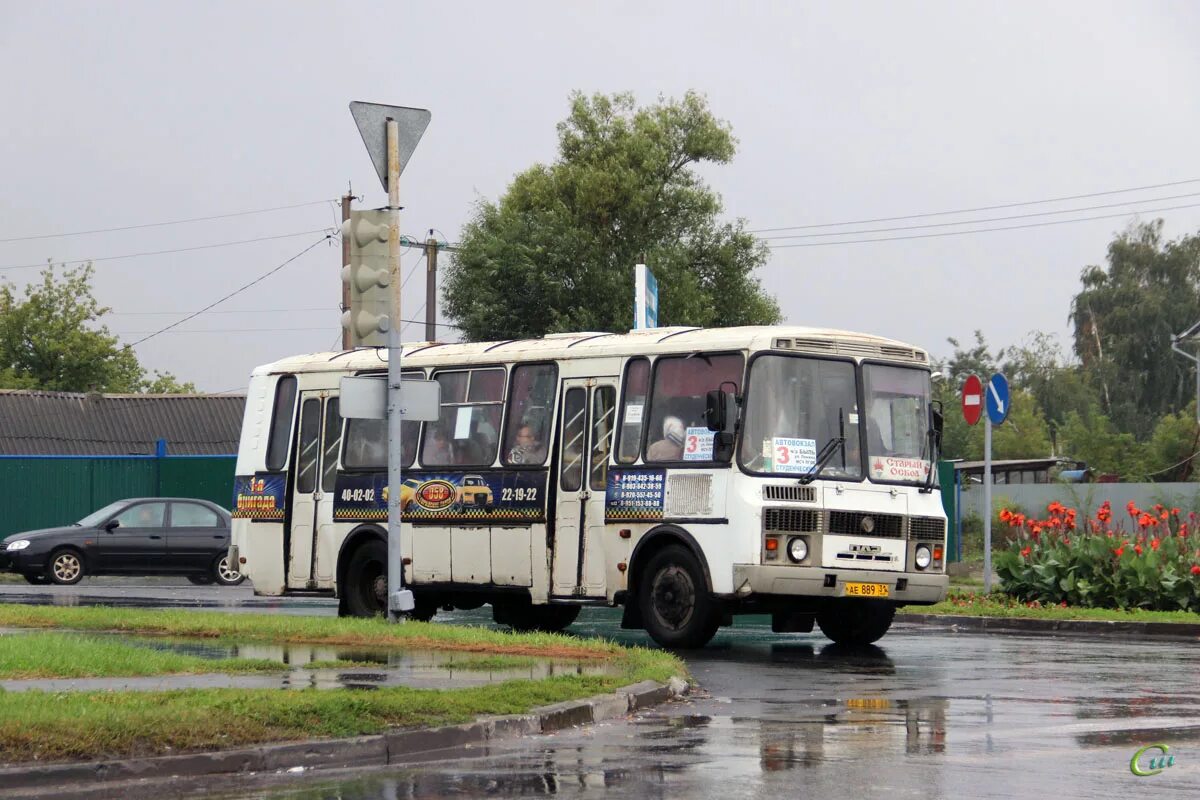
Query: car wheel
<point>36,578</point>
<point>365,586</point>
<point>66,567</point>
<point>201,580</point>
<point>225,575</point>
<point>677,609</point>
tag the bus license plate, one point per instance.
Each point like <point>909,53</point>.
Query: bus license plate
<point>866,589</point>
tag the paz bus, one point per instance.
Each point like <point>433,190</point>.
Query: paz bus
<point>684,474</point>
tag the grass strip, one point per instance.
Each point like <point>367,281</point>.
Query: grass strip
<point>309,630</point>
<point>1000,605</point>
<point>44,726</point>
<point>62,655</point>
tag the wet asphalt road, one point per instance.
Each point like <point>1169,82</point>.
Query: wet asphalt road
<point>928,713</point>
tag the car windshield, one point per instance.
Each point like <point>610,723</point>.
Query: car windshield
<point>96,517</point>
<point>898,448</point>
<point>795,406</point>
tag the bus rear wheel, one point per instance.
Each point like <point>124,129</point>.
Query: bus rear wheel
<point>677,609</point>
<point>856,622</point>
<point>366,580</point>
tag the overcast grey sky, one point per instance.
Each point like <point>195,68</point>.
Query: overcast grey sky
<point>124,113</point>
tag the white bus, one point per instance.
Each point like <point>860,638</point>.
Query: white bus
<point>685,474</point>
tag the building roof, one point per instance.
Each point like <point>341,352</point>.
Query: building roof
<point>67,423</point>
<point>1012,464</point>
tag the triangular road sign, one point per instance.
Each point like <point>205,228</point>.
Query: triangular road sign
<point>372,118</point>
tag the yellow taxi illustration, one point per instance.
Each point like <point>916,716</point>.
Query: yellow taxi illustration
<point>474,491</point>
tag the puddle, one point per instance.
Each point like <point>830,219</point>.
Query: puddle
<point>383,667</point>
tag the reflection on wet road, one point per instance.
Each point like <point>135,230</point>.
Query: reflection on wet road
<point>929,713</point>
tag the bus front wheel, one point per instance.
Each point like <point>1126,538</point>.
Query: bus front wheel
<point>856,621</point>
<point>677,609</point>
<point>366,580</point>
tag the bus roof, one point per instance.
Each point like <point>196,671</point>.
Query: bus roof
<point>646,341</point>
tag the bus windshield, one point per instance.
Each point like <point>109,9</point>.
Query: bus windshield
<point>898,447</point>
<point>795,406</point>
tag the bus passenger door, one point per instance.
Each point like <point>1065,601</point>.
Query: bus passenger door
<point>307,494</point>
<point>585,425</point>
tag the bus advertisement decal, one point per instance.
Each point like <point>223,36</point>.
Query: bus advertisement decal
<point>259,496</point>
<point>449,497</point>
<point>634,494</point>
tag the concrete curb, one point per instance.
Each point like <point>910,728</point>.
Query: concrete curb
<point>1180,631</point>
<point>393,747</point>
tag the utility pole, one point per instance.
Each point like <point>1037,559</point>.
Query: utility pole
<point>431,251</point>
<point>347,344</point>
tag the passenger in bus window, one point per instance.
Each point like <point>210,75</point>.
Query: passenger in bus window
<point>437,448</point>
<point>527,449</point>
<point>670,447</point>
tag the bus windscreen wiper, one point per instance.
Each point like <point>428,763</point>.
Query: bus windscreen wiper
<point>832,446</point>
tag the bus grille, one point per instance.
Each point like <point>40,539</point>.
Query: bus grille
<point>927,529</point>
<point>801,494</point>
<point>849,523</point>
<point>798,520</point>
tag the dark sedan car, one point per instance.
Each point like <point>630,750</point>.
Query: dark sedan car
<point>142,536</point>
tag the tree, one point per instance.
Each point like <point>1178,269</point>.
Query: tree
<point>49,340</point>
<point>556,252</point>
<point>1125,316</point>
<point>1040,368</point>
<point>1090,436</point>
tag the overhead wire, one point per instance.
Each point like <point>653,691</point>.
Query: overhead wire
<point>161,224</point>
<point>234,293</point>
<point>981,221</point>
<point>979,230</point>
<point>172,250</point>
<point>978,208</point>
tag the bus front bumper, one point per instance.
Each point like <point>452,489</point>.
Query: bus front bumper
<point>786,580</point>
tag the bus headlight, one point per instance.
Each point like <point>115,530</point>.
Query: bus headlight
<point>923,556</point>
<point>797,549</point>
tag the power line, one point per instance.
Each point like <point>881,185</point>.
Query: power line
<point>160,224</point>
<point>414,269</point>
<point>242,311</point>
<point>174,250</point>
<point>981,221</point>
<point>979,208</point>
<point>235,292</point>
<point>979,230</point>
<point>270,330</point>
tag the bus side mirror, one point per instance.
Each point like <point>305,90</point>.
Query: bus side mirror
<point>935,411</point>
<point>720,411</point>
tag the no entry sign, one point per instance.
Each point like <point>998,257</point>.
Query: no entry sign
<point>972,399</point>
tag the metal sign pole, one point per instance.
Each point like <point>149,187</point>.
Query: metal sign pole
<point>987,505</point>
<point>399,599</point>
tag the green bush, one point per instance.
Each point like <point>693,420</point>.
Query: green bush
<point>1099,564</point>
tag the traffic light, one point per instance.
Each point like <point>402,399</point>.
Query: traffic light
<point>369,315</point>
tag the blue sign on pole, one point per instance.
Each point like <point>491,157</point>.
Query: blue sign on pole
<point>996,398</point>
<point>645,302</point>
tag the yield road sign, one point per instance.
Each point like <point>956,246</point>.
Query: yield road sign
<point>997,398</point>
<point>371,119</point>
<point>972,399</point>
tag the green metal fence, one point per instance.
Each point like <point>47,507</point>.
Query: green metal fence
<point>46,491</point>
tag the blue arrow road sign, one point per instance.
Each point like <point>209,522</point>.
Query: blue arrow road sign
<point>996,398</point>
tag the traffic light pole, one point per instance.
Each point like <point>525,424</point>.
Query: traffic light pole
<point>399,599</point>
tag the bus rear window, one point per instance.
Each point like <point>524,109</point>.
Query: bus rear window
<point>281,423</point>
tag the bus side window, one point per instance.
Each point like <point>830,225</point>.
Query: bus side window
<point>468,429</point>
<point>530,398</point>
<point>677,400</point>
<point>633,409</point>
<point>281,423</point>
<point>330,445</point>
